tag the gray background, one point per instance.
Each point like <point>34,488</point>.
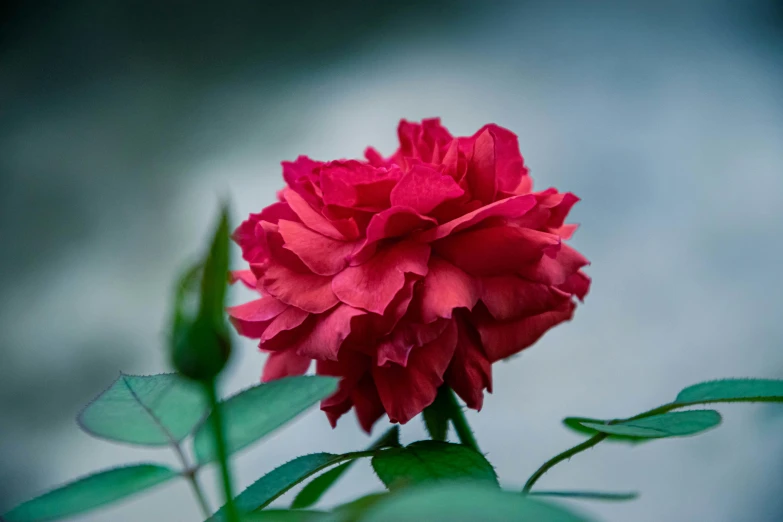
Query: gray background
<point>122,124</point>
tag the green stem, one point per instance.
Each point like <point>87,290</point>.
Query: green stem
<point>589,443</point>
<point>231,512</point>
<point>461,426</point>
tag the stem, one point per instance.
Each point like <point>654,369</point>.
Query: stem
<point>190,475</point>
<point>589,443</point>
<point>461,426</point>
<point>232,514</point>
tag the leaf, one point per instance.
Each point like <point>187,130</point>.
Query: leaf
<point>733,390</point>
<point>674,424</point>
<point>266,489</point>
<point>91,492</point>
<point>151,410</point>
<point>579,425</point>
<point>215,276</point>
<point>353,511</point>
<point>465,501</point>
<point>314,490</point>
<point>588,495</point>
<point>258,411</point>
<point>436,415</point>
<point>427,460</point>
<point>285,515</point>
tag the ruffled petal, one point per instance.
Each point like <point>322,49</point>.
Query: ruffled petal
<point>245,276</point>
<point>351,366</point>
<point>503,339</point>
<point>445,288</point>
<point>423,188</point>
<point>509,297</point>
<point>289,320</point>
<point>513,207</point>
<point>356,185</point>
<point>284,364</point>
<point>497,250</point>
<point>367,403</point>
<point>328,333</point>
<point>554,271</point>
<point>373,285</point>
<point>578,285</point>
<point>323,255</point>
<point>470,372</point>
<point>252,319</point>
<point>406,391</point>
<point>310,292</point>
<point>316,221</point>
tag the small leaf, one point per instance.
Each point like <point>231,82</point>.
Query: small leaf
<point>258,411</point>
<point>436,415</point>
<point>91,492</point>
<point>427,460</point>
<point>587,495</point>
<point>215,276</point>
<point>266,489</point>
<point>674,424</point>
<point>314,490</point>
<point>579,425</point>
<point>465,501</point>
<point>733,390</point>
<point>151,410</point>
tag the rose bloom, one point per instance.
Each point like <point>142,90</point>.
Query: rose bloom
<point>404,273</point>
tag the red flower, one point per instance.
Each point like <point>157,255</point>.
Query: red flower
<point>401,274</point>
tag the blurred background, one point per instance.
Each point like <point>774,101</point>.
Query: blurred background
<point>123,123</point>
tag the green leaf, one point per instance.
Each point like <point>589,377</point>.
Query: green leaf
<point>353,511</point>
<point>258,411</point>
<point>314,490</point>
<point>579,425</point>
<point>674,424</point>
<point>733,390</point>
<point>428,460</point>
<point>285,515</point>
<point>436,415</point>
<point>465,501</point>
<point>91,492</point>
<point>266,489</point>
<point>215,276</point>
<point>151,410</point>
<point>588,495</point>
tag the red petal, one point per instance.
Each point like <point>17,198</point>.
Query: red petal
<point>578,285</point>
<point>405,392</point>
<point>314,220</point>
<point>445,288</point>
<point>323,255</point>
<point>367,403</point>
<point>503,339</point>
<point>396,348</point>
<point>310,292</point>
<point>508,208</point>
<point>423,188</point>
<point>481,176</point>
<point>288,320</point>
<point>245,276</point>
<point>252,319</point>
<point>351,367</point>
<point>554,271</point>
<point>496,250</point>
<point>508,297</point>
<point>392,222</point>
<point>470,372</point>
<point>284,364</point>
<point>328,334</point>
<point>249,237</point>
<point>355,184</point>
<point>374,284</point>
